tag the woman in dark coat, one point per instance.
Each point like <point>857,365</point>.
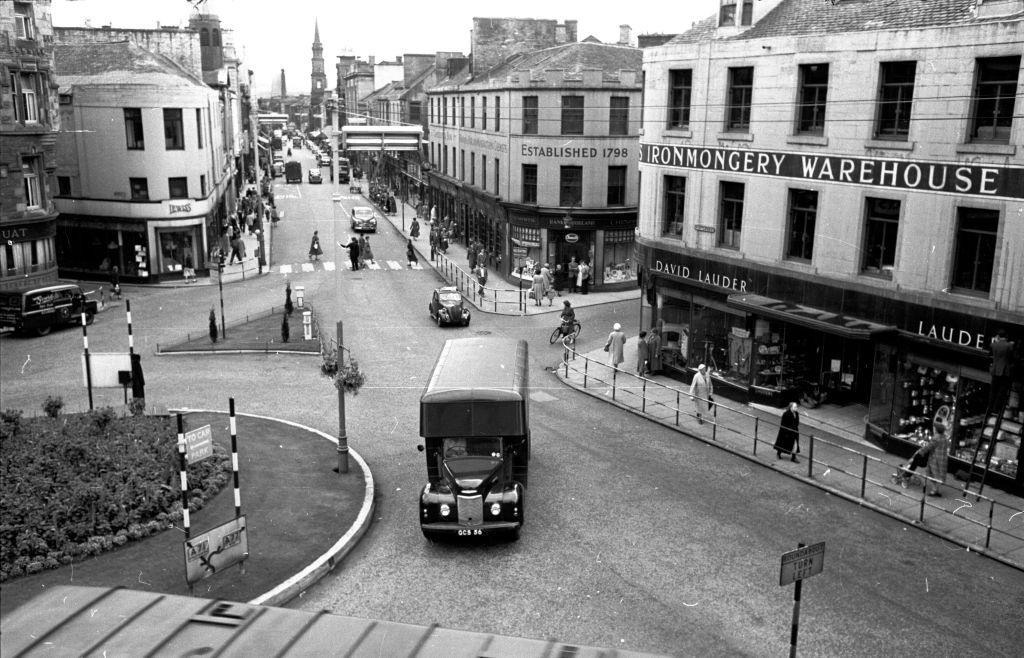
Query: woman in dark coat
<point>410,253</point>
<point>789,436</point>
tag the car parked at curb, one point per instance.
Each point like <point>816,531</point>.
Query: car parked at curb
<point>448,307</point>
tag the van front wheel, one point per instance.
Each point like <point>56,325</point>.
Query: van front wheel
<point>42,331</point>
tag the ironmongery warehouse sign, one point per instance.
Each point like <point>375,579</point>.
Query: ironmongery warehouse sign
<point>982,180</point>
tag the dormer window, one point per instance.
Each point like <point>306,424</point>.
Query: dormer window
<point>23,20</point>
<point>727,13</point>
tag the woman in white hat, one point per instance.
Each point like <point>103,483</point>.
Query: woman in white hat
<point>616,341</point>
<point>701,391</point>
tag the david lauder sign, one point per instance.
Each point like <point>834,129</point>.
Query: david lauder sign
<point>988,181</point>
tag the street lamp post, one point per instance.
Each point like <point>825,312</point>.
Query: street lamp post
<point>220,284</point>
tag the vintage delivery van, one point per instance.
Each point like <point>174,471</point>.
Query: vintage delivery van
<point>38,310</point>
<point>474,419</point>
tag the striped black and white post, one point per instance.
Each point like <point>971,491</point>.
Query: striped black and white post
<point>234,467</point>
<point>128,314</point>
<point>88,365</point>
<point>234,456</point>
<point>185,520</point>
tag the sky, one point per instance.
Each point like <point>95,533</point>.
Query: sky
<point>271,35</point>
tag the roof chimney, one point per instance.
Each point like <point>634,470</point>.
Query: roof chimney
<point>625,35</point>
<point>373,60</point>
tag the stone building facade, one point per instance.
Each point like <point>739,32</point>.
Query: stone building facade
<point>536,157</point>
<point>29,122</point>
<point>831,205</point>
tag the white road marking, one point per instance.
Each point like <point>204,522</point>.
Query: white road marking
<point>416,266</point>
<point>329,266</point>
<point>308,267</point>
<point>286,269</point>
<point>541,396</point>
<point>373,265</point>
<point>393,264</point>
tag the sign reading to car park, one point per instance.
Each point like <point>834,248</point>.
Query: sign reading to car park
<point>198,444</point>
<point>802,563</point>
<point>216,550</point>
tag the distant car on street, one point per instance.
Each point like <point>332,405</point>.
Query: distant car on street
<point>364,219</point>
<point>448,307</point>
<point>314,176</point>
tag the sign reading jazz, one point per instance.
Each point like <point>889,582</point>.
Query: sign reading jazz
<point>216,550</point>
<point>989,181</point>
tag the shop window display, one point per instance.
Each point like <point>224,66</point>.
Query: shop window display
<point>976,432</point>
<point>618,256</point>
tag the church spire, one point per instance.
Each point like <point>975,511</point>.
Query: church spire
<point>316,31</point>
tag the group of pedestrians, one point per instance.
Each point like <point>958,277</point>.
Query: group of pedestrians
<point>581,276</point>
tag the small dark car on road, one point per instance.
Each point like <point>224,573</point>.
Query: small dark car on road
<point>364,219</point>
<point>448,307</point>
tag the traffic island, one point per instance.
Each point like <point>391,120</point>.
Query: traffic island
<point>254,334</point>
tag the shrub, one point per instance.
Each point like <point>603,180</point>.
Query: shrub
<point>288,307</point>
<point>349,378</point>
<point>213,325</point>
<point>53,405</point>
<point>137,407</point>
<point>285,330</point>
<point>82,484</point>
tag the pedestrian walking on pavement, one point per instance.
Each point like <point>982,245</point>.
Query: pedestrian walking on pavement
<point>353,252</point>
<point>414,230</point>
<point>702,392</point>
<point>654,361</point>
<point>583,277</point>
<point>481,277</point>
<point>314,247</point>
<point>410,253</point>
<point>539,287</point>
<point>614,346</point>
<point>642,354</point>
<point>938,459</point>
<point>574,273</point>
<point>788,439</point>
<point>432,238</point>
<point>366,252</point>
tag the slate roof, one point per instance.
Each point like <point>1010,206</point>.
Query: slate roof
<point>117,63</point>
<point>810,17</point>
<point>572,58</point>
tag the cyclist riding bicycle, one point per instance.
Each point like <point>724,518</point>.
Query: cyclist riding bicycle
<point>568,318</point>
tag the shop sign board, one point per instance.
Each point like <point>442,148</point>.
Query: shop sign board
<point>198,444</point>
<point>216,550</point>
<point>802,563</point>
<point>520,252</point>
<point>572,237</point>
<point>981,180</point>
<point>704,228</point>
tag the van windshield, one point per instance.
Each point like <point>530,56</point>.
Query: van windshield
<point>473,447</point>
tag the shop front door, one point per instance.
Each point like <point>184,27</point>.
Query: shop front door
<point>569,244</point>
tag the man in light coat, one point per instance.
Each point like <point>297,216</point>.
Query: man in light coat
<point>701,392</point>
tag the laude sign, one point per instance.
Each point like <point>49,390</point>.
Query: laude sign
<point>976,180</point>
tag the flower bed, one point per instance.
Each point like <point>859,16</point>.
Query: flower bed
<point>80,484</point>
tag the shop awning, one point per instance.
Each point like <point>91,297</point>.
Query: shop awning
<point>808,316</point>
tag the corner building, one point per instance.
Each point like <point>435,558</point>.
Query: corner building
<point>832,209</point>
<point>536,157</point>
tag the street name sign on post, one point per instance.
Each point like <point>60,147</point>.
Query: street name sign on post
<point>198,444</point>
<point>802,563</point>
<point>216,550</point>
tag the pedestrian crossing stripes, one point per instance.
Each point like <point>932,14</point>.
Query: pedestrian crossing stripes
<point>331,266</point>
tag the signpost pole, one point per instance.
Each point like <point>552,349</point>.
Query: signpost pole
<point>796,614</point>
<point>88,367</point>
<point>342,436</point>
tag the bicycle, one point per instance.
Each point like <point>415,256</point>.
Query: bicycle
<point>560,332</point>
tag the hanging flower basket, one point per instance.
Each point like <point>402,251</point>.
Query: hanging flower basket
<point>349,378</point>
